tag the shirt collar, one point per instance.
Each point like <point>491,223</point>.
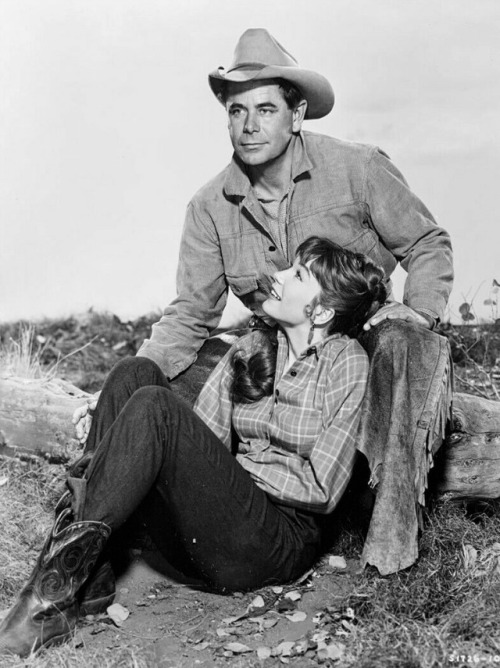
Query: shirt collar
<point>314,349</point>
<point>237,182</point>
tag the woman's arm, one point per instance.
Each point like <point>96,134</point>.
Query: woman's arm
<point>215,402</point>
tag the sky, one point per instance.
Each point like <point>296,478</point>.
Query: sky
<point>108,128</point>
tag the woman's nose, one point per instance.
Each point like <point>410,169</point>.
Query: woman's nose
<point>280,276</point>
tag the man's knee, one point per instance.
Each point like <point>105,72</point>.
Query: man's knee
<point>396,335</point>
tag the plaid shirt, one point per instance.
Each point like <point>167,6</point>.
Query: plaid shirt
<point>299,443</point>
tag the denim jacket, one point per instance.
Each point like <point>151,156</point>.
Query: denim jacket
<point>351,193</point>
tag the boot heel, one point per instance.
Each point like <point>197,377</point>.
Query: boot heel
<point>96,606</point>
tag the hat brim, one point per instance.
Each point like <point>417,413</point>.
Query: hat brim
<point>315,88</point>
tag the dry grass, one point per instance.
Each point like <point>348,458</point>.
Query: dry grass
<point>26,496</point>
<point>23,355</point>
<point>440,607</point>
<point>71,655</point>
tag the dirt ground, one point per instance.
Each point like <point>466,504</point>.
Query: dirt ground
<point>181,625</point>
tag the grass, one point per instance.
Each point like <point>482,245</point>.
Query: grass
<point>440,606</point>
<point>81,350</point>
<point>443,608</point>
<point>22,356</point>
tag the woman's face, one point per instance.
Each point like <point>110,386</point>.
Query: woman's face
<point>293,290</point>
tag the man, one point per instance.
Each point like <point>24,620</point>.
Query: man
<point>282,186</point>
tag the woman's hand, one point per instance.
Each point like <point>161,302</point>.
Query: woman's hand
<point>397,311</point>
<point>82,417</point>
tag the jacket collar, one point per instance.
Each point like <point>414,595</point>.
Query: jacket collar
<point>237,182</point>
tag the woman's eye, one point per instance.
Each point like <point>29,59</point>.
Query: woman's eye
<point>298,275</point>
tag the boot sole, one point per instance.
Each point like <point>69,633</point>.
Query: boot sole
<point>96,606</point>
<point>56,640</point>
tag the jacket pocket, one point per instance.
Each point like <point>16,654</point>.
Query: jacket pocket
<point>242,285</point>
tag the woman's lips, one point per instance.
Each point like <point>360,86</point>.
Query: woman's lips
<point>274,294</point>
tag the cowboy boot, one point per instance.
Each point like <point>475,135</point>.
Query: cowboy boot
<point>98,592</point>
<point>47,609</point>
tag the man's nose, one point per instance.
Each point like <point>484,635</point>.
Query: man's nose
<point>252,123</point>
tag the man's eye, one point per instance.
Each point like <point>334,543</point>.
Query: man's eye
<point>298,275</point>
<point>265,111</point>
<point>235,112</point>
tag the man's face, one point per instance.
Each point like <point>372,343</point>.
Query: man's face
<point>260,123</point>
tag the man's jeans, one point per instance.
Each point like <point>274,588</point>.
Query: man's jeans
<point>152,453</point>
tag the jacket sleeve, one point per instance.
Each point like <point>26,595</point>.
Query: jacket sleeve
<point>409,231</point>
<point>201,297</point>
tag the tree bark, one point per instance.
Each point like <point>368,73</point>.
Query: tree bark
<point>35,417</point>
<point>468,464</point>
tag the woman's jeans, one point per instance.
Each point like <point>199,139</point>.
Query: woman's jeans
<point>155,455</point>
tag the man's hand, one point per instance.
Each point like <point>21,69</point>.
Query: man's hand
<point>82,417</point>
<point>397,311</point>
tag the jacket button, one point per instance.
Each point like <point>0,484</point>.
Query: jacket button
<point>293,373</point>
<point>272,248</point>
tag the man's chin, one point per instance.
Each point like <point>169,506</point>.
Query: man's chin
<point>252,158</point>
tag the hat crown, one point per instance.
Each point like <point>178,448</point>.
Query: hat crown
<point>257,47</point>
<point>257,57</point>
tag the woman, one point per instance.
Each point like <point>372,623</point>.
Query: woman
<point>287,401</point>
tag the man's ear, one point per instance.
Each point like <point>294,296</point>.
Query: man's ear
<point>323,315</point>
<point>298,116</point>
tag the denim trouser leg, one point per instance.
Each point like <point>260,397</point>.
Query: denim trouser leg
<point>123,380</point>
<point>156,453</point>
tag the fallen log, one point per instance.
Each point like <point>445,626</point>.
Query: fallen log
<point>468,464</point>
<point>35,417</point>
<point>35,414</point>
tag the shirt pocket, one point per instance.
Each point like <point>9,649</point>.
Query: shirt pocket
<point>346,224</point>
<point>242,285</point>
<point>243,255</point>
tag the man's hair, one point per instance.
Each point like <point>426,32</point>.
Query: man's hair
<point>291,94</point>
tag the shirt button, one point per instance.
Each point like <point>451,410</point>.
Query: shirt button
<point>293,373</point>
<point>272,248</point>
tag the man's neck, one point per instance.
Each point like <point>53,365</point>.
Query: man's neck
<point>272,180</point>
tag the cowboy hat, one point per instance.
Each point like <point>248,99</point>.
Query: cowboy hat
<point>259,56</point>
